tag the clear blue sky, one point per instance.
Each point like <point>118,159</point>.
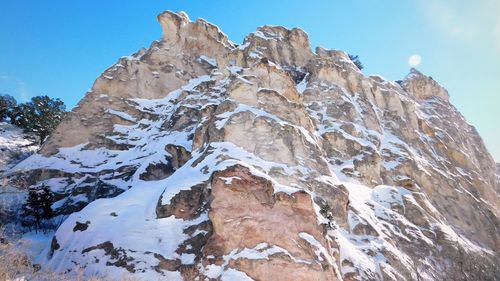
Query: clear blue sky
<point>59,47</point>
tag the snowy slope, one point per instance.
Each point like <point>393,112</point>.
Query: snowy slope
<point>14,146</point>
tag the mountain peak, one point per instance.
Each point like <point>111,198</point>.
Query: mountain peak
<point>423,87</point>
<point>283,46</point>
<point>195,37</point>
<point>200,159</point>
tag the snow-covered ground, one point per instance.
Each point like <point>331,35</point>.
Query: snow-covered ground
<point>14,146</point>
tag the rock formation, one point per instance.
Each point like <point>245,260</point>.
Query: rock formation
<point>198,157</point>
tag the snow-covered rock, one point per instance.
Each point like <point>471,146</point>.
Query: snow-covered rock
<point>266,161</point>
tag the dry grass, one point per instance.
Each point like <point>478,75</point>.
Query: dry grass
<point>190,274</point>
<point>16,266</point>
<point>14,263</point>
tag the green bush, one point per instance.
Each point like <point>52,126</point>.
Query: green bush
<point>356,61</point>
<point>7,103</point>
<point>40,116</point>
<point>37,208</point>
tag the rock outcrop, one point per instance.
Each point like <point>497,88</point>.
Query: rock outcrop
<point>267,161</point>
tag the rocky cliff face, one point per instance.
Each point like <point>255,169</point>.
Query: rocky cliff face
<point>263,161</point>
